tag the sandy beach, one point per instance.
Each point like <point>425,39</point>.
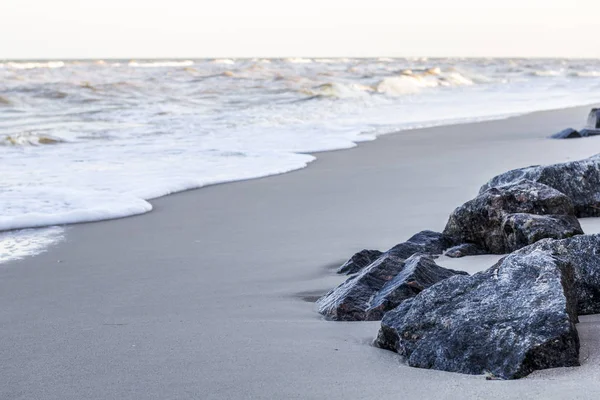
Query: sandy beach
<point>210,296</point>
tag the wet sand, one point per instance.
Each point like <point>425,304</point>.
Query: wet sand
<point>210,295</point>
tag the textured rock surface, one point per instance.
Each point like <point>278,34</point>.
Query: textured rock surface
<point>462,250</point>
<point>579,180</point>
<point>568,133</point>
<point>427,242</point>
<point>487,223</point>
<point>382,286</point>
<point>521,230</point>
<point>583,253</point>
<point>593,120</point>
<point>359,261</point>
<point>514,318</point>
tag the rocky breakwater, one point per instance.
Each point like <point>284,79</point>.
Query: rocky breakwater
<point>519,315</point>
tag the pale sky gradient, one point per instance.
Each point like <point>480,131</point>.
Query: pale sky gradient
<point>313,28</point>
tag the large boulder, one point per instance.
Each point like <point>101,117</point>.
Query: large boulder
<point>382,286</point>
<point>579,180</point>
<point>359,261</point>
<point>593,120</point>
<point>522,229</point>
<point>583,252</point>
<point>514,318</point>
<point>502,219</point>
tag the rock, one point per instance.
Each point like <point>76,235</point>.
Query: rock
<point>359,261</point>
<point>462,250</point>
<point>568,133</point>
<point>579,180</point>
<point>514,318</point>
<point>583,252</point>
<point>589,132</point>
<point>381,286</point>
<point>419,273</point>
<point>593,120</point>
<point>427,242</point>
<point>486,222</point>
<point>521,230</point>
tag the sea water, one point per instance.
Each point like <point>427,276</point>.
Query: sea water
<point>93,140</point>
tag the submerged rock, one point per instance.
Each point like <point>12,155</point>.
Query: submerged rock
<point>568,133</point>
<point>579,180</point>
<point>514,318</point>
<point>462,250</point>
<point>583,253</point>
<point>359,261</point>
<point>382,286</point>
<point>488,222</point>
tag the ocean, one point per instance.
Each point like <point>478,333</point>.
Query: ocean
<point>92,140</point>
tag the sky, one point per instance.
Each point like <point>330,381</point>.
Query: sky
<point>60,29</point>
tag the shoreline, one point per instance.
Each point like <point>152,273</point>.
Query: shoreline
<point>200,298</point>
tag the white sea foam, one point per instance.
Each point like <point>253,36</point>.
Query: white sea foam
<point>15,245</point>
<point>157,64</point>
<point>223,61</point>
<point>299,60</point>
<point>34,65</point>
<point>98,143</point>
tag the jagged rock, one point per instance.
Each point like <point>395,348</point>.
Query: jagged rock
<point>419,273</point>
<point>359,261</point>
<point>522,230</point>
<point>427,242</point>
<point>382,286</point>
<point>568,133</point>
<point>593,120</point>
<point>462,250</point>
<point>589,132</point>
<point>579,180</point>
<point>583,252</point>
<point>486,222</point>
<point>514,318</point>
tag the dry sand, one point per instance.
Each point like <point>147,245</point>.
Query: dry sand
<point>205,297</point>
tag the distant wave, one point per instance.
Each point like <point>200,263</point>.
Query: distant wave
<point>157,64</point>
<point>33,65</point>
<point>223,61</point>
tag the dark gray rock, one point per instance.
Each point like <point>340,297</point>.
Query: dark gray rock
<point>381,286</point>
<point>568,133</point>
<point>589,132</point>
<point>514,318</point>
<point>593,120</point>
<point>579,180</point>
<point>485,221</point>
<point>419,273</point>
<point>427,242</point>
<point>521,230</point>
<point>583,252</point>
<point>463,250</point>
<point>359,261</point>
